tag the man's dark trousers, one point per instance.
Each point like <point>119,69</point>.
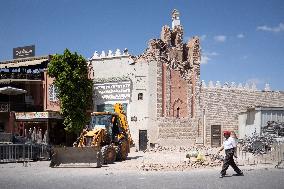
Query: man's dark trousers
<point>229,160</point>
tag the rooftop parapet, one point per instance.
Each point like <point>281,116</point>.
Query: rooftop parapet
<point>232,85</point>
<point>110,54</point>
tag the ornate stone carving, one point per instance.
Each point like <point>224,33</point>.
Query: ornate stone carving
<point>240,86</point>
<point>166,34</point>
<point>179,41</point>
<point>233,85</point>
<point>117,52</point>
<point>267,87</point>
<point>156,50</point>
<point>125,51</point>
<point>175,14</point>
<point>96,55</point>
<point>103,54</point>
<point>170,49</point>
<point>203,84</point>
<point>194,54</point>
<point>218,84</point>
<point>175,18</point>
<point>246,86</point>
<point>109,54</point>
<point>226,85</point>
<point>178,37</point>
<point>211,85</point>
<point>112,79</point>
<point>253,87</point>
<point>152,45</point>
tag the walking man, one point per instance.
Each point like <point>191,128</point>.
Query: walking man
<point>230,148</point>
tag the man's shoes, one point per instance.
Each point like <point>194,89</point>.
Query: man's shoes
<point>239,174</point>
<point>221,176</point>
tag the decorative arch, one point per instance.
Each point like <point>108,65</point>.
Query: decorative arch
<point>177,108</point>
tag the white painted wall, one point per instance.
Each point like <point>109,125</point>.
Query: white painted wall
<point>152,103</point>
<point>249,122</point>
<point>143,79</point>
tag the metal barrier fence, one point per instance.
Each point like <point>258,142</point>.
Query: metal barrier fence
<point>281,154</point>
<point>273,156</point>
<point>23,152</point>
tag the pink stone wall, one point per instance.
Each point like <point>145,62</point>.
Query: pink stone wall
<point>179,96</point>
<point>49,105</point>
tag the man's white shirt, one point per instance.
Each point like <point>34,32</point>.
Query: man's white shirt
<point>229,143</point>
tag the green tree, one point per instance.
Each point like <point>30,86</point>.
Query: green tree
<point>70,72</point>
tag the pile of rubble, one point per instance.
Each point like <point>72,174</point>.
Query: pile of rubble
<point>262,143</point>
<point>256,144</point>
<point>191,158</point>
<point>274,129</point>
<point>158,148</point>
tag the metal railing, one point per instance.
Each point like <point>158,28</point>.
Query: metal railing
<point>23,152</point>
<point>19,107</point>
<point>4,107</point>
<point>6,138</point>
<point>28,76</point>
<point>273,156</point>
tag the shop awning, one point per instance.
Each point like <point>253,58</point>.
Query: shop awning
<point>22,63</point>
<point>12,91</point>
<point>37,115</point>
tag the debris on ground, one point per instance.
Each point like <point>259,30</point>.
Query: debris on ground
<point>180,158</point>
<point>261,143</point>
<point>274,129</point>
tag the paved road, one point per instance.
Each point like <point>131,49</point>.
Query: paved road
<point>39,176</point>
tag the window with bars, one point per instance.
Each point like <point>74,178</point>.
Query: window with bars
<point>53,92</point>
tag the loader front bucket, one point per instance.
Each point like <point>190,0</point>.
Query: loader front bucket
<point>76,157</point>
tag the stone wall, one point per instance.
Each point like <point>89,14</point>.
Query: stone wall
<point>159,89</point>
<point>214,105</point>
<point>206,106</point>
<point>178,71</point>
<point>221,105</point>
<point>178,96</point>
<point>177,131</point>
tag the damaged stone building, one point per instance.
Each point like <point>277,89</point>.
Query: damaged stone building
<point>163,96</point>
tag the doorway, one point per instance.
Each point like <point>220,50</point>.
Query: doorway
<point>215,135</point>
<point>143,140</point>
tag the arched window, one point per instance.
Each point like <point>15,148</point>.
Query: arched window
<point>178,112</point>
<point>140,96</point>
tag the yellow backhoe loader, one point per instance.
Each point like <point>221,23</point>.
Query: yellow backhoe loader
<point>106,139</point>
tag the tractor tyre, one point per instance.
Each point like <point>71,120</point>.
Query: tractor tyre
<point>122,150</point>
<point>108,154</point>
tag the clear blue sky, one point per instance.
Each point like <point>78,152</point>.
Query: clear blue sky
<point>242,41</point>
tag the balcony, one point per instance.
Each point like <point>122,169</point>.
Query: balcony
<point>20,107</point>
<point>21,76</point>
<point>4,107</point>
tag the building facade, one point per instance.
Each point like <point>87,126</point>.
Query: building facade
<point>157,81</point>
<point>254,120</point>
<point>163,97</point>
<point>36,109</point>
<point>163,94</point>
<point>119,77</point>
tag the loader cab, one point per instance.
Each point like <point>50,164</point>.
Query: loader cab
<point>109,122</point>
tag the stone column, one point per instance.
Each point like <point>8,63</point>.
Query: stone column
<point>11,122</point>
<point>193,82</point>
<point>164,89</point>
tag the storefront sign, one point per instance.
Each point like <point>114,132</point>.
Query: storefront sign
<point>114,91</point>
<point>37,115</point>
<point>23,52</point>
